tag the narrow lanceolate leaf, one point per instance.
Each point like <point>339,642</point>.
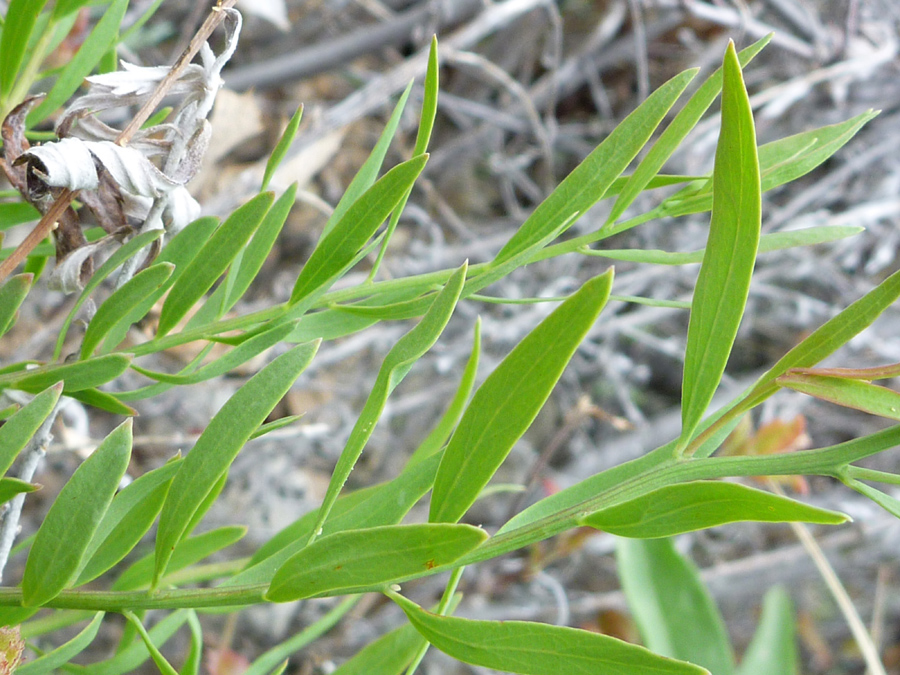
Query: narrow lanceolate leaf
<point>238,356</point>
<point>284,143</point>
<point>19,428</point>
<point>596,174</point>
<point>219,444</point>
<point>130,657</point>
<point>66,532</point>
<point>11,296</point>
<point>773,648</point>
<point>686,507</point>
<point>212,260</point>
<point>850,393</point>
<point>75,376</point>
<point>132,512</point>
<point>123,300</point>
<point>104,401</point>
<point>10,487</point>
<point>340,246</point>
<point>357,560</point>
<point>162,664</point>
<point>51,661</point>
<point>536,648</point>
<point>21,16</point>
<point>676,132</point>
<point>724,280</point>
<point>388,655</point>
<point>396,365</point>
<point>101,39</point>
<point>673,609</point>
<point>506,404</point>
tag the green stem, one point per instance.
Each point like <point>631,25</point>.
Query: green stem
<point>442,610</point>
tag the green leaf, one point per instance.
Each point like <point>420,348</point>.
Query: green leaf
<point>697,505</point>
<point>356,560</point>
<point>388,655</point>
<point>773,648</point>
<point>129,659</point>
<point>16,213</point>
<point>121,301</point>
<point>676,132</point>
<point>183,248</point>
<point>871,398</point>
<point>51,661</point>
<point>195,655</point>
<point>724,280</point>
<point>64,7</point>
<point>396,365</point>
<point>164,666</point>
<point>378,505</point>
<point>506,404</point>
<point>218,445</point>
<point>337,248</point>
<point>104,401</point>
<point>885,501</point>
<point>10,487</point>
<point>75,376</point>
<point>128,250</point>
<point>68,527</point>
<point>231,360</point>
<point>129,517</point>
<point>595,175</point>
<point>101,40</point>
<point>368,172</point>
<point>775,241</point>
<point>21,17</point>
<point>11,297</point>
<point>212,260</point>
<point>536,648</point>
<point>19,428</point>
<point>188,552</point>
<point>441,432</point>
<point>281,148</point>
<point>673,609</point>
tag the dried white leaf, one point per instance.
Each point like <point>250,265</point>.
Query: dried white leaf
<point>66,164</point>
<point>181,209</point>
<point>274,11</point>
<point>66,276</point>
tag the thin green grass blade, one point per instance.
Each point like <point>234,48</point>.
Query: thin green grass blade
<point>673,609</point>
<point>724,280</point>
<point>536,648</point>
<point>51,661</point>
<point>101,40</point>
<point>281,148</point>
<point>212,260</point>
<point>687,507</point>
<point>441,432</point>
<point>506,404</point>
<point>18,429</point>
<point>773,648</point>
<point>676,132</point>
<point>126,251</point>
<point>12,295</point>
<point>594,176</point>
<point>125,298</point>
<point>343,242</point>
<point>408,349</point>
<point>72,520</point>
<point>356,560</point>
<point>208,461</point>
